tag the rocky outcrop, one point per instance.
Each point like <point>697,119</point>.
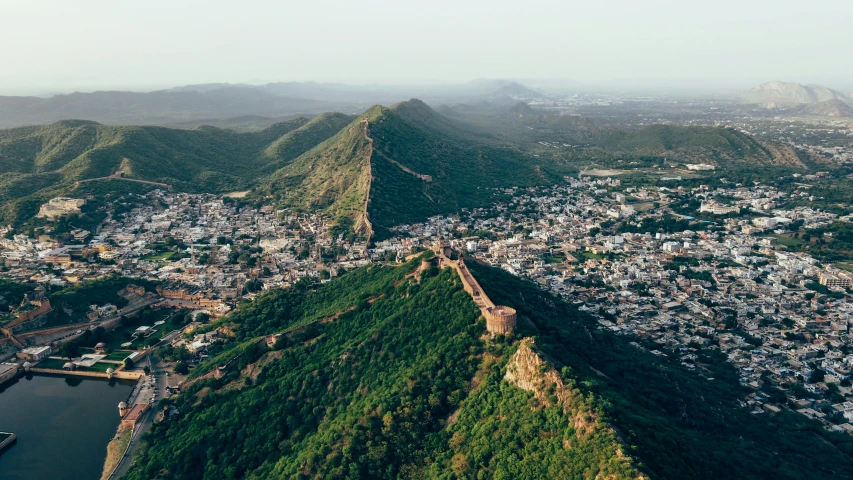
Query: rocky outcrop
<point>787,94</point>
<point>528,371</point>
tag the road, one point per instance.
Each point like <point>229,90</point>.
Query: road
<point>161,380</point>
<point>69,332</point>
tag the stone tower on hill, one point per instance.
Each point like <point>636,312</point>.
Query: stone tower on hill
<point>499,319</point>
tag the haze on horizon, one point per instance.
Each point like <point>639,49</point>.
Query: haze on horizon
<point>60,46</point>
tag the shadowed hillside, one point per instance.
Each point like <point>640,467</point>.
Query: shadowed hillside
<point>386,167</point>
<point>386,373</point>
<point>420,162</point>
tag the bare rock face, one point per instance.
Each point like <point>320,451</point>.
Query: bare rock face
<point>527,371</point>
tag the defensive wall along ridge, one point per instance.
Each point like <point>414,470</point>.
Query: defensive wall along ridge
<point>500,319</point>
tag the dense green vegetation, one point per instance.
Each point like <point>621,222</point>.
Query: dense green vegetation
<point>71,304</point>
<point>831,243</point>
<point>37,163</point>
<point>11,295</point>
<point>410,141</point>
<point>379,375</point>
<point>668,224</point>
<point>77,298</point>
<point>362,395</point>
<point>465,166</point>
<point>323,163</point>
<point>679,424</point>
<point>334,177</point>
<point>361,385</point>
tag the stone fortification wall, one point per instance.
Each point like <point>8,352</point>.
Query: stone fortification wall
<point>18,324</point>
<point>499,319</point>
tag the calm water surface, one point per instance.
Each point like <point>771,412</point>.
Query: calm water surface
<point>63,426</point>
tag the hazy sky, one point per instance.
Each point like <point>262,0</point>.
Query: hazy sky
<point>61,45</point>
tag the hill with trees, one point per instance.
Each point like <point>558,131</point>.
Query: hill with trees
<point>37,163</point>
<point>402,164</point>
<point>720,146</point>
<point>389,165</point>
<point>386,372</point>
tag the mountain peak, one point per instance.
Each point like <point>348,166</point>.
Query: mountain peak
<point>412,105</point>
<point>787,94</point>
<point>522,109</point>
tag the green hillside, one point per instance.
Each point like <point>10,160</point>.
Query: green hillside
<point>334,176</point>
<point>724,147</point>
<point>384,374</point>
<point>372,369</point>
<point>596,141</point>
<point>463,165</point>
<point>678,423</point>
<point>420,163</point>
<point>386,167</point>
<point>39,162</point>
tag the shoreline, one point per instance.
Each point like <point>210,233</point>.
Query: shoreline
<point>119,447</point>
<point>116,450</point>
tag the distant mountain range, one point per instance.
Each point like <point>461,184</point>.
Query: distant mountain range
<point>790,94</point>
<point>190,104</point>
<point>161,107</point>
<point>385,167</point>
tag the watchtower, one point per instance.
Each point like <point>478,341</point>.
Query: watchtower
<point>500,319</point>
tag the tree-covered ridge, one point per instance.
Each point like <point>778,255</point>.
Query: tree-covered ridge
<point>405,163</point>
<point>410,138</point>
<point>378,374</point>
<point>37,163</point>
<point>383,373</point>
<point>724,147</point>
<point>677,423</point>
<point>409,162</point>
<point>502,431</point>
<point>333,177</point>
<point>361,395</point>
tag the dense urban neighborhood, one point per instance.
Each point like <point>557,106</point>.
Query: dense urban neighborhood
<point>685,270</point>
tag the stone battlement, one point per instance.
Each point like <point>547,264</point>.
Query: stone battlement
<point>499,319</point>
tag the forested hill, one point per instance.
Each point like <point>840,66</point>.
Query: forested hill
<point>385,167</point>
<point>724,147</point>
<point>39,162</point>
<point>408,162</point>
<point>384,373</point>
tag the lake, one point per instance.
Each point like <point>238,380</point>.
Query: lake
<point>63,426</point>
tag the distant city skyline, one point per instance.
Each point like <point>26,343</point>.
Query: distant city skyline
<point>60,47</point>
